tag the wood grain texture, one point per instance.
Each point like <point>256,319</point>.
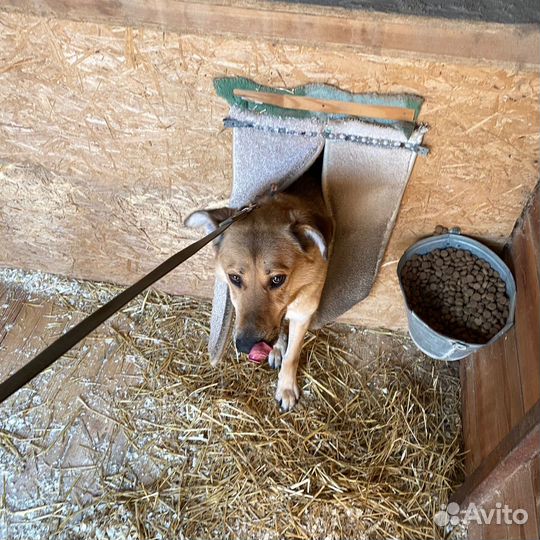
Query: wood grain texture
<point>475,531</point>
<point>494,530</point>
<point>113,135</point>
<point>514,408</point>
<point>469,417</point>
<point>491,397</point>
<point>519,446</point>
<point>519,494</point>
<point>535,480</point>
<point>511,494</point>
<point>501,393</point>
<point>502,382</point>
<point>533,227</point>
<point>381,34</point>
<point>526,261</point>
<point>330,106</point>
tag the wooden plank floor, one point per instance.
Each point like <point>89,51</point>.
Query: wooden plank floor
<point>500,384</point>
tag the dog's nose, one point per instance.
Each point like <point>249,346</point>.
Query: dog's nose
<point>244,343</point>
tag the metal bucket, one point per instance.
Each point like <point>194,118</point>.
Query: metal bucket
<point>433,343</point>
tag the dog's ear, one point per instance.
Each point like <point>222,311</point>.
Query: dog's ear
<point>209,219</point>
<point>307,235</point>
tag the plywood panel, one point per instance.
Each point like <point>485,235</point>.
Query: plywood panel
<point>113,135</point>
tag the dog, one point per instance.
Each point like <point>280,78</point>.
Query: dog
<point>275,262</point>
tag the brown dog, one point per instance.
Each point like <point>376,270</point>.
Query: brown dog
<point>275,261</point>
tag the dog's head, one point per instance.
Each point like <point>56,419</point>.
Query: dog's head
<point>267,259</point>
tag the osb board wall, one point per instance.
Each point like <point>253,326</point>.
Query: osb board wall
<point>112,135</point>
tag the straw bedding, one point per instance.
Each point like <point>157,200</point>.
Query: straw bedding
<point>372,450</point>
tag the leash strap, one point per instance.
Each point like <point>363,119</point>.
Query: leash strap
<point>64,343</point>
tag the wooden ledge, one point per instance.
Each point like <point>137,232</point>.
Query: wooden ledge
<point>516,46</point>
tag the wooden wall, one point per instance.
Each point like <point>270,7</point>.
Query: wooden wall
<point>110,134</point>
<point>501,399</point>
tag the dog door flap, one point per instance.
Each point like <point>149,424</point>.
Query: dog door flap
<point>366,168</point>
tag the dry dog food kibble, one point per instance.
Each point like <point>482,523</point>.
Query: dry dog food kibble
<point>457,294</point>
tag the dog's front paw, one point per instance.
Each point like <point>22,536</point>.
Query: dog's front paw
<point>287,394</point>
<point>275,356</point>
<point>278,351</point>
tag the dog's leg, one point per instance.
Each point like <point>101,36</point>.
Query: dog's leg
<point>280,346</point>
<point>288,393</point>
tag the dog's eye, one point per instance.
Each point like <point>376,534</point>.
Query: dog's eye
<point>235,279</point>
<point>277,281</point>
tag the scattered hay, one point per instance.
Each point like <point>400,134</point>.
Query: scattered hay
<point>370,452</point>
